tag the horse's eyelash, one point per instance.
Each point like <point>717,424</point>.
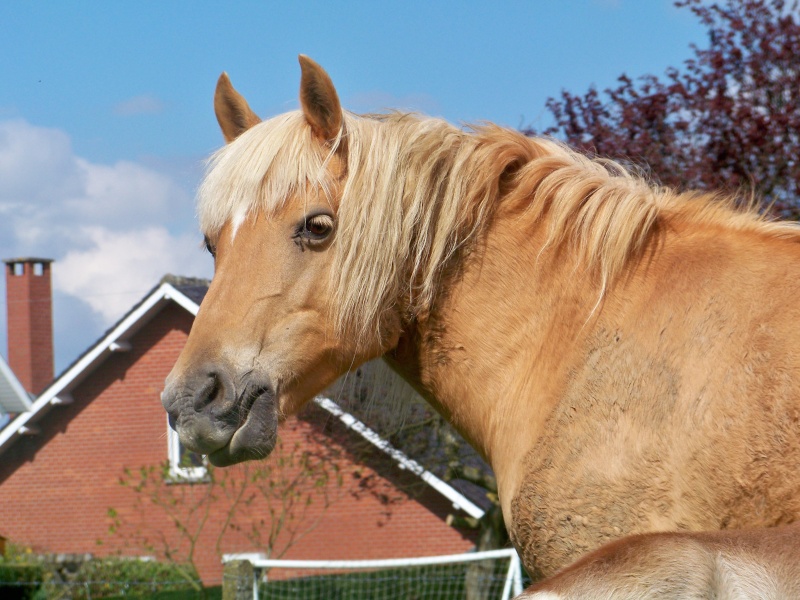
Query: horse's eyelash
<point>298,239</point>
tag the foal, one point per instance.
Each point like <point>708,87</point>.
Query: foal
<point>757,564</point>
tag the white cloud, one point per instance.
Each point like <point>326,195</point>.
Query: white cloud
<point>120,268</point>
<point>113,229</point>
<point>139,105</point>
<point>48,193</point>
<point>36,164</point>
<point>125,192</point>
<point>43,181</point>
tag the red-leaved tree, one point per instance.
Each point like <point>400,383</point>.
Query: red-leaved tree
<point>728,119</point>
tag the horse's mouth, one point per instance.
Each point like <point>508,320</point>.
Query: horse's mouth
<point>256,435</point>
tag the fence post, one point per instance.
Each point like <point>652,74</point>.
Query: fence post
<point>237,580</point>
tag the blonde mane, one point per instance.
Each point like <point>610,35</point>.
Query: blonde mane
<point>418,190</point>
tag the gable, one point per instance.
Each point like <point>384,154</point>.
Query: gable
<point>115,340</point>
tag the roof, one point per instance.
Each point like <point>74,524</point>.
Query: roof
<point>188,293</point>
<point>13,397</point>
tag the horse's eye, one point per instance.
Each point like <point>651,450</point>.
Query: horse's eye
<point>211,249</point>
<point>317,228</point>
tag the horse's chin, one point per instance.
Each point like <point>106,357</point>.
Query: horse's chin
<point>255,439</point>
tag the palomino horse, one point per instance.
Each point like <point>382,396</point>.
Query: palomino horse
<point>755,564</point>
<point>626,358</point>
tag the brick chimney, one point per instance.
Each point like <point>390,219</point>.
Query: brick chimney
<point>30,321</point>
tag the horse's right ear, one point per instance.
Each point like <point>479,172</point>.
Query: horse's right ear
<point>233,113</point>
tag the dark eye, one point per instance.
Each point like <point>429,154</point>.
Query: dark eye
<point>316,228</point>
<point>210,247</point>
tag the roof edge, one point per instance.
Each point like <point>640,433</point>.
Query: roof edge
<point>459,500</point>
<point>61,385</point>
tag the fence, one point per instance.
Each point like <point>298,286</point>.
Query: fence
<point>473,575</point>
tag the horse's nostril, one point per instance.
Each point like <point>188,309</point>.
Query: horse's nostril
<point>173,421</point>
<point>213,396</point>
<point>217,391</point>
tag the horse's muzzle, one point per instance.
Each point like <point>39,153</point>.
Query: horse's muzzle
<point>213,416</point>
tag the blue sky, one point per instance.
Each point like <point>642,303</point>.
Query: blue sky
<point>106,107</point>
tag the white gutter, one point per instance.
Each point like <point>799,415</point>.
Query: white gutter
<point>460,502</point>
<point>170,293</point>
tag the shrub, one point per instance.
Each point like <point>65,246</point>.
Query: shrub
<point>20,581</point>
<point>27,575</point>
<point>123,576</point>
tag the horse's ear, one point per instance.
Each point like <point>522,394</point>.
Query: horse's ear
<point>233,113</point>
<point>319,100</point>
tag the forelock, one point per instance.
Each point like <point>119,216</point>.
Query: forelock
<point>261,170</point>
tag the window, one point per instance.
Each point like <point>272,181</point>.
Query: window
<point>183,464</point>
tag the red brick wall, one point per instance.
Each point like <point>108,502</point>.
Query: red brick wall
<point>56,487</point>
<point>30,325</point>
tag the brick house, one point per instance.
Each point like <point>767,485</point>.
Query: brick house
<point>64,453</point>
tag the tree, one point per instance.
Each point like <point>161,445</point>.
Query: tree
<point>272,504</point>
<point>280,501</point>
<point>729,119</point>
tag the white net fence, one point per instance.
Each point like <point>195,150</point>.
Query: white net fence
<point>491,575</point>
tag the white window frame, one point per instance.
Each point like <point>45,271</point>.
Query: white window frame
<point>176,471</point>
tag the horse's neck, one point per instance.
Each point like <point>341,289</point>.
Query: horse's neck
<point>486,355</point>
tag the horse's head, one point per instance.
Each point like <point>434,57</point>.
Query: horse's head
<point>267,337</point>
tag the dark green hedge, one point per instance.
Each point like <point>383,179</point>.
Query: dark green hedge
<point>20,582</point>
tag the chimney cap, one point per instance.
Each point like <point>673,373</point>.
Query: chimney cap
<point>27,259</point>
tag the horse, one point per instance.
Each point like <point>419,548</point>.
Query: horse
<point>625,357</point>
<point>750,564</point>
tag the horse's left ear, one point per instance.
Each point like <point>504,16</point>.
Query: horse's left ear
<point>319,100</point>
